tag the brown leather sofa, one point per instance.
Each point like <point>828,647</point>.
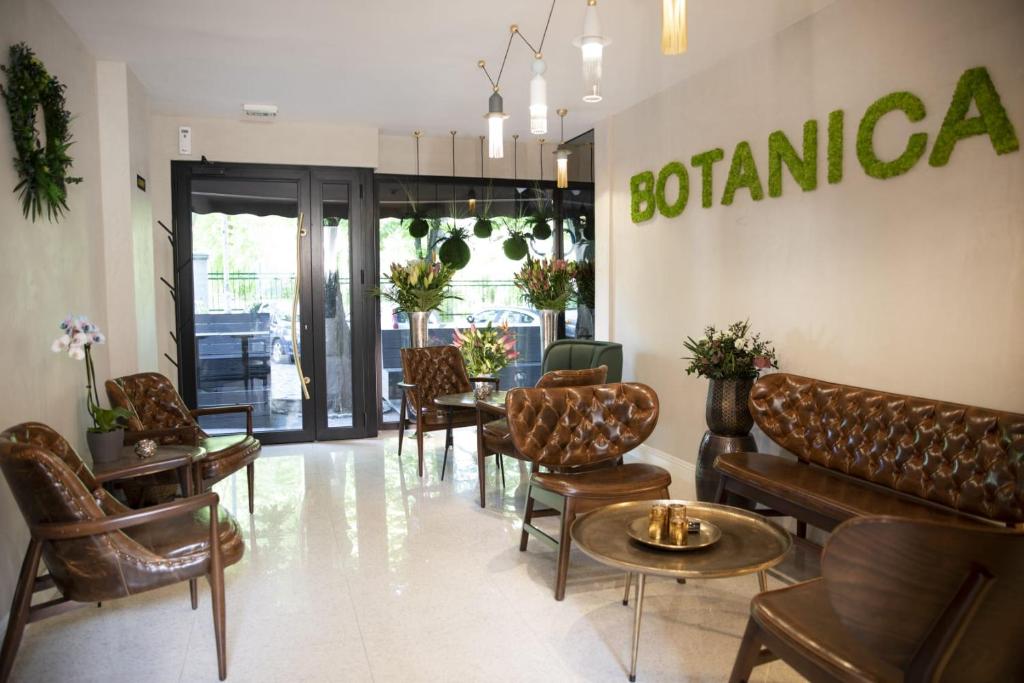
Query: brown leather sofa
<point>157,412</point>
<point>494,438</point>
<point>865,452</point>
<point>96,549</point>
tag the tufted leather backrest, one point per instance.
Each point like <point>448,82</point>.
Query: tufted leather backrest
<point>888,580</point>
<point>578,426</point>
<point>152,400</point>
<point>573,378</point>
<point>436,371</point>
<point>970,459</point>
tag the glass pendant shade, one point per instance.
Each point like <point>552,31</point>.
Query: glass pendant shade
<point>673,27</point>
<point>538,99</point>
<point>495,127</point>
<point>562,167</point>
<point>591,45</point>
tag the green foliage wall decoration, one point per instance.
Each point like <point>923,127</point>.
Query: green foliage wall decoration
<point>835,146</point>
<point>641,190</point>
<point>743,173</point>
<point>974,85</point>
<point>781,151</point>
<point>672,210</point>
<point>704,161</point>
<point>913,107</point>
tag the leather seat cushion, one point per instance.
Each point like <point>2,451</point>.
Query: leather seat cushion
<point>460,417</point>
<point>802,617</point>
<point>606,482</point>
<point>833,495</point>
<point>178,537</point>
<point>498,438</point>
<point>227,453</point>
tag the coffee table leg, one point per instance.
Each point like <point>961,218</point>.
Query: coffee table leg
<point>762,581</point>
<point>640,581</point>
<point>629,582</point>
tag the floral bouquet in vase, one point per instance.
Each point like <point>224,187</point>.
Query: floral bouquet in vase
<point>417,288</point>
<point>547,284</point>
<point>486,352</point>
<point>732,353</point>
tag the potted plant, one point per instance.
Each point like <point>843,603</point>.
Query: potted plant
<point>106,436</point>
<point>732,359</point>
<point>417,288</point>
<point>548,286</point>
<point>486,351</point>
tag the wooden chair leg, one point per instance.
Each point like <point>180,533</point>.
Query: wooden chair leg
<point>501,465</point>
<point>419,446</point>
<point>564,546</point>
<point>720,494</point>
<point>20,607</point>
<point>527,517</point>
<point>749,653</point>
<point>801,529</point>
<point>193,592</point>
<point>481,460</point>
<point>250,475</point>
<point>401,426</point>
<point>216,578</point>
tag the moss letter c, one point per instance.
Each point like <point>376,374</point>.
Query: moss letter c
<point>913,107</point>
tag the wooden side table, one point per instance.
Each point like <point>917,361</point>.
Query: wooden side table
<point>167,458</point>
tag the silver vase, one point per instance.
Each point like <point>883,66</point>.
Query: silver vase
<point>548,328</point>
<point>418,330</point>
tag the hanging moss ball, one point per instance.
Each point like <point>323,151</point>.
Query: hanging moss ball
<point>541,229</point>
<point>515,247</point>
<point>454,252</point>
<point>483,228</point>
<point>418,227</point>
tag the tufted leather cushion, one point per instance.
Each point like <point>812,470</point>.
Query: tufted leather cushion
<point>967,458</point>
<point>226,454</point>
<point>153,402</point>
<point>436,371</point>
<point>633,479</point>
<point>573,378</point>
<point>576,426</point>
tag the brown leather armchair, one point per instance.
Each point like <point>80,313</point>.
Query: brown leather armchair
<point>494,438</point>
<point>898,600</point>
<point>431,372</point>
<point>578,433</point>
<point>159,413</point>
<point>95,548</point>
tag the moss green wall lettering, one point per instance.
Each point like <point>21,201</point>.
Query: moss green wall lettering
<point>913,107</point>
<point>781,151</point>
<point>742,173</point>
<point>641,190</point>
<point>679,171</point>
<point>704,161</point>
<point>835,146</point>
<point>974,85</point>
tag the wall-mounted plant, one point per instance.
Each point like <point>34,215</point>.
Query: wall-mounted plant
<point>43,166</point>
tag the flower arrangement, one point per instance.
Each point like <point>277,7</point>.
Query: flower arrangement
<point>486,350</point>
<point>731,353</point>
<point>78,336</point>
<point>547,285</point>
<point>419,285</point>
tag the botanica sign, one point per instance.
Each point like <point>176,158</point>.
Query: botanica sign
<point>648,192</point>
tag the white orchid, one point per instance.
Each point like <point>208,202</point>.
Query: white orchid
<point>79,334</point>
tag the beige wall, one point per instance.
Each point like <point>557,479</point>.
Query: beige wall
<point>912,284</point>
<point>50,269</point>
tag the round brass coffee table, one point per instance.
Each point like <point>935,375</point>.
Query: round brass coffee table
<point>749,544</point>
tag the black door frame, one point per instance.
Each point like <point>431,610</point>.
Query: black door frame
<point>312,341</point>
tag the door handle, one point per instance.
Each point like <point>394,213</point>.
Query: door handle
<point>300,232</point>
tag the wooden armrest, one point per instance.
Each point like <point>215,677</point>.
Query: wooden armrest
<point>53,531</point>
<point>493,380</point>
<point>490,409</point>
<point>222,410</point>
<point>405,385</point>
<point>188,435</point>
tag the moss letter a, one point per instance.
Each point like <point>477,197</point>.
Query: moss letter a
<point>743,173</point>
<point>641,190</point>
<point>913,107</point>
<point>975,84</point>
<point>804,171</point>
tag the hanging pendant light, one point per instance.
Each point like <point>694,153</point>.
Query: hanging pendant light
<point>591,45</point>
<point>495,126</point>
<point>673,27</point>
<point>562,153</point>
<point>538,98</point>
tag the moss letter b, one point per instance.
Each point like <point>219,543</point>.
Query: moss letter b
<point>641,190</point>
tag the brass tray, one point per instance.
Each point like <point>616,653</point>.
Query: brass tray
<point>708,535</point>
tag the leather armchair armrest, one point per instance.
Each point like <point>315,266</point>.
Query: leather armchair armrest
<point>53,531</point>
<point>223,410</point>
<point>188,435</point>
<point>490,409</point>
<point>493,380</point>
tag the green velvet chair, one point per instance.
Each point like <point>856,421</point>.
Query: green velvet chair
<point>578,354</point>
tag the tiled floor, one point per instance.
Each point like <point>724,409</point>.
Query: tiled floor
<point>357,570</point>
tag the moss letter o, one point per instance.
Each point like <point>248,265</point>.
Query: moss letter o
<point>667,210</point>
<point>641,190</point>
<point>913,107</point>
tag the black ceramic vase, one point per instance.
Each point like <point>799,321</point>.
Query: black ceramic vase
<point>729,424</point>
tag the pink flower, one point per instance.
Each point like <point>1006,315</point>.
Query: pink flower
<point>762,362</point>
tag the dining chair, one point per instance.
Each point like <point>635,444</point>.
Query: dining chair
<point>95,549</point>
<point>901,600</point>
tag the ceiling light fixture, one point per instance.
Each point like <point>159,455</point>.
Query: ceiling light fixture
<point>495,116</point>
<point>538,98</point>
<point>562,153</point>
<point>591,44</point>
<point>673,27</point>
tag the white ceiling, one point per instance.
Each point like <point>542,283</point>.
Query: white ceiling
<point>404,64</point>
